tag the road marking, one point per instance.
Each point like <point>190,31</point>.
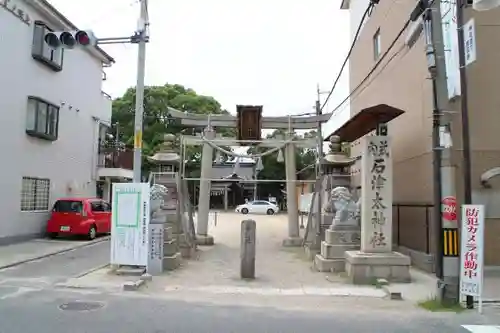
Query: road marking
<point>20,291</point>
<point>482,328</point>
<point>304,291</point>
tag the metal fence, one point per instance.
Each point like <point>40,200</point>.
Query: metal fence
<point>115,157</point>
<point>412,226</point>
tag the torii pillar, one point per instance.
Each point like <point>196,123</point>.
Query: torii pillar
<point>202,236</point>
<point>293,238</point>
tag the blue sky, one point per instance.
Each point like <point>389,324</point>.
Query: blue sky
<point>269,52</point>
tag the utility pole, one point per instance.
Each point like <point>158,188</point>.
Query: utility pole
<point>317,242</point>
<point>464,101</point>
<point>139,94</point>
<point>445,226</point>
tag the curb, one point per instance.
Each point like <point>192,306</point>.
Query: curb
<point>92,270</point>
<point>135,285</point>
<point>392,295</point>
<point>53,253</point>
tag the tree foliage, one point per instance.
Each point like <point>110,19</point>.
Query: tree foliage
<point>156,122</point>
<point>273,170</point>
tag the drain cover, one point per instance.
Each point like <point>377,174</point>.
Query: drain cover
<point>81,306</point>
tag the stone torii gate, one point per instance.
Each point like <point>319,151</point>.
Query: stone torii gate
<point>249,123</point>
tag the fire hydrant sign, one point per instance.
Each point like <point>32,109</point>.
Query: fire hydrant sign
<point>472,250</point>
<point>130,224</point>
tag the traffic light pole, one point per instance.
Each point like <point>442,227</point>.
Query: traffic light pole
<point>139,95</point>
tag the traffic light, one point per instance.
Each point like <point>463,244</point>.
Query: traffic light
<point>70,39</point>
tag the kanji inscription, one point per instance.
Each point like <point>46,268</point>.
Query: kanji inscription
<point>376,195</point>
<point>472,250</point>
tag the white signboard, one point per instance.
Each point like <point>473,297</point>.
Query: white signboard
<point>130,224</point>
<point>376,195</point>
<point>469,42</point>
<point>305,202</point>
<point>471,250</point>
<point>450,41</point>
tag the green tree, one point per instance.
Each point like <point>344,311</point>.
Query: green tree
<point>156,121</point>
<point>274,170</point>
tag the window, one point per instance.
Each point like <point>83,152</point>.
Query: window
<point>106,206</point>
<point>376,45</point>
<point>68,206</point>
<point>44,53</point>
<point>42,119</point>
<point>96,206</point>
<point>35,193</point>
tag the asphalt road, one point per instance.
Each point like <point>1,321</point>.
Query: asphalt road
<point>29,302</point>
<point>57,268</point>
<point>41,312</point>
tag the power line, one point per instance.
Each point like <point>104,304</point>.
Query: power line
<point>358,89</point>
<point>341,107</point>
<point>379,61</point>
<point>355,39</point>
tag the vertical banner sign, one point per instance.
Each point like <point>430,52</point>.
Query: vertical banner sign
<point>130,224</point>
<point>450,41</point>
<point>376,195</point>
<point>472,251</point>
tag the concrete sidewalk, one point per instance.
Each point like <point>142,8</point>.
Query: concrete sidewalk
<point>19,253</point>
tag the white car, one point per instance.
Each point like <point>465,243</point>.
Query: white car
<point>258,207</point>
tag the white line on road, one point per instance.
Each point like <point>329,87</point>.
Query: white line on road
<point>482,328</point>
<point>20,291</point>
<point>304,291</point>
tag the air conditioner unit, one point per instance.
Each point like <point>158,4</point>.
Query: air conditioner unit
<point>414,32</point>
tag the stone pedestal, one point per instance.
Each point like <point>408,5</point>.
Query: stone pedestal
<point>171,255</point>
<point>292,242</point>
<point>338,240</point>
<point>366,268</point>
<point>182,244</point>
<point>206,240</point>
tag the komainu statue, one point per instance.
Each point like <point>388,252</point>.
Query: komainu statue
<point>342,204</point>
<point>157,197</point>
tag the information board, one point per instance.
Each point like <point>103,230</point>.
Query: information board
<point>130,224</point>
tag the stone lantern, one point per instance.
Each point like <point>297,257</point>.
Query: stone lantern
<point>167,159</point>
<point>340,228</point>
<point>337,165</point>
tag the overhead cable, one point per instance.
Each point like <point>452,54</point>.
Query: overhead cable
<point>358,30</point>
<point>379,61</point>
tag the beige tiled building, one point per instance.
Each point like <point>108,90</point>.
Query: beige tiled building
<point>403,82</point>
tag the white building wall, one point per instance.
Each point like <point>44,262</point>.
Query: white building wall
<point>68,160</point>
<point>356,10</point>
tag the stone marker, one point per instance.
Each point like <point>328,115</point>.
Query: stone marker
<point>247,249</point>
<point>155,255</point>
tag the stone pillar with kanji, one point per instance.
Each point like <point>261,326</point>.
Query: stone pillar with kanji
<point>375,259</point>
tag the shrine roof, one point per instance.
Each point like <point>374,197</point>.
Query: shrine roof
<point>366,121</point>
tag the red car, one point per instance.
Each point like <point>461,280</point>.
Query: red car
<point>79,216</point>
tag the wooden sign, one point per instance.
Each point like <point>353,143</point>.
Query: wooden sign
<point>249,122</point>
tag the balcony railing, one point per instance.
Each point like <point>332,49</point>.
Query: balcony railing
<point>112,155</point>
